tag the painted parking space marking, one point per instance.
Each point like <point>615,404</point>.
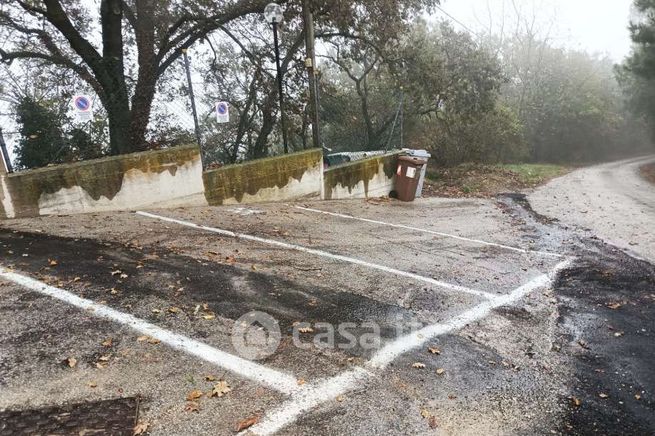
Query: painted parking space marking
<point>278,380</point>
<point>432,232</point>
<point>326,390</point>
<point>337,257</point>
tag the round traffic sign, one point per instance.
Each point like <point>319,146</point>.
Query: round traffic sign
<point>221,108</point>
<point>82,103</point>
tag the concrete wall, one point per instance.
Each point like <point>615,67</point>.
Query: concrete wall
<point>164,178</point>
<point>281,178</point>
<point>372,177</point>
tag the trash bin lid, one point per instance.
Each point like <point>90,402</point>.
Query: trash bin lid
<point>418,153</point>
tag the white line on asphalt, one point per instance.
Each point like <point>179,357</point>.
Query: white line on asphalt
<point>277,380</point>
<point>326,390</point>
<point>418,229</point>
<point>322,253</point>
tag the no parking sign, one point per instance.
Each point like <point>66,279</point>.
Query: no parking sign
<point>222,112</point>
<point>83,107</point>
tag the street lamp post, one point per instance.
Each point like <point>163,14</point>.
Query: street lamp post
<point>273,15</point>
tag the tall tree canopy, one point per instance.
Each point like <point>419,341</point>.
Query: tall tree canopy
<point>637,74</point>
<point>152,32</point>
<point>122,50</point>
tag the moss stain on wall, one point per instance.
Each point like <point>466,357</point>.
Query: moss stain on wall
<point>234,181</point>
<point>98,177</point>
<point>352,174</point>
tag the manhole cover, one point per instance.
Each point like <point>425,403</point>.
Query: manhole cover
<point>109,417</point>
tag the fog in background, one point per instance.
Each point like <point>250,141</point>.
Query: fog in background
<point>591,25</point>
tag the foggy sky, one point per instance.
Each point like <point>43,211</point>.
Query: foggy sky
<point>597,26</point>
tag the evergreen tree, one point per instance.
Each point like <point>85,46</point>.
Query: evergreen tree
<point>42,141</point>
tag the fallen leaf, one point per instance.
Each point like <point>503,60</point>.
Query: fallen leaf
<point>140,428</point>
<point>52,262</point>
<point>434,350</point>
<point>156,310</point>
<point>71,361</point>
<point>306,330</point>
<point>108,342</point>
<point>192,406</point>
<point>194,395</point>
<point>153,341</point>
<point>173,309</point>
<point>614,305</point>
<point>105,358</point>
<point>637,397</point>
<point>246,423</point>
<point>340,398</point>
<point>124,276</point>
<point>418,365</point>
<point>603,395</point>
<point>576,401</point>
<point>113,273</point>
<point>618,334</point>
<point>209,316</point>
<point>142,338</point>
<point>92,384</point>
<point>301,381</point>
<point>425,413</point>
<point>221,388</point>
<point>210,378</point>
<point>440,371</point>
<point>77,279</point>
<point>101,365</point>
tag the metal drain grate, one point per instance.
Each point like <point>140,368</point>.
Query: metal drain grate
<point>109,417</point>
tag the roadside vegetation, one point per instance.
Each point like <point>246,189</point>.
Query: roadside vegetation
<point>648,172</point>
<point>480,180</point>
<point>387,79</point>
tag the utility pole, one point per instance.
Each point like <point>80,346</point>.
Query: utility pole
<point>280,88</point>
<point>310,63</point>
<point>192,96</point>
<point>5,155</point>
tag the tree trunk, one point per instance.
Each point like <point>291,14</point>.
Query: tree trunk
<point>119,128</point>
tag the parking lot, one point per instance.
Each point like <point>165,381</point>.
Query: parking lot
<point>394,317</point>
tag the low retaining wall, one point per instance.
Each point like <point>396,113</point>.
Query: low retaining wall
<point>372,177</point>
<point>281,178</point>
<point>163,178</point>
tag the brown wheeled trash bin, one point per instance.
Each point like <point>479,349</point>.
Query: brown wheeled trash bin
<point>407,176</point>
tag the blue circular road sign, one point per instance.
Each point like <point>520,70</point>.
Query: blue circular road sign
<point>82,103</point>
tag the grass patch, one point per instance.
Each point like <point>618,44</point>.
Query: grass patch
<point>476,180</point>
<point>536,174</point>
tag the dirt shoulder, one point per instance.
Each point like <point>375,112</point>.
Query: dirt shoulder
<point>484,181</point>
<point>648,172</point>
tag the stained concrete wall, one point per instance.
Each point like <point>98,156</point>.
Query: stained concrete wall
<point>281,178</point>
<point>164,178</point>
<point>372,177</point>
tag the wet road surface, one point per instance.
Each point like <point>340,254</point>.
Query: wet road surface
<point>490,317</point>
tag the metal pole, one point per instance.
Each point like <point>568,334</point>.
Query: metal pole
<point>280,88</point>
<point>310,63</point>
<point>5,154</point>
<point>192,96</point>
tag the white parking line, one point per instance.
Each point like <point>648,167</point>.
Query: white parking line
<point>277,380</point>
<point>327,390</point>
<point>417,229</point>
<point>444,285</point>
